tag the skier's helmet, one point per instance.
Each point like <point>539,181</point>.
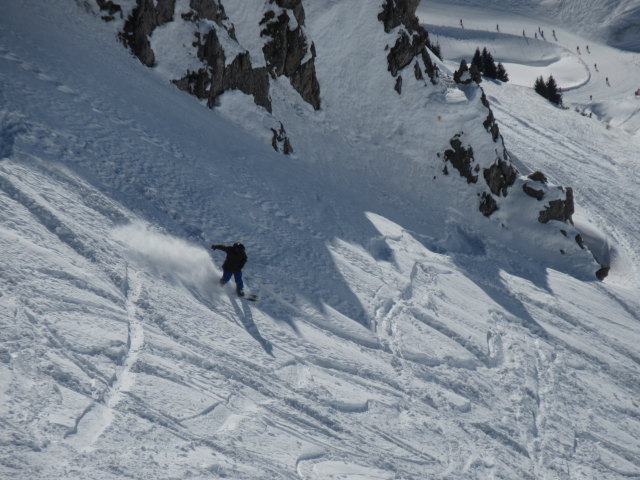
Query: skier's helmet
<point>238,246</point>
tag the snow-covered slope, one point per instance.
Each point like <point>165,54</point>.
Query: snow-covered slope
<point>614,22</point>
<point>595,78</point>
<point>396,337</point>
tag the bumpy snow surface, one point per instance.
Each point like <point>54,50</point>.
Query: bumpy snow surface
<point>397,336</point>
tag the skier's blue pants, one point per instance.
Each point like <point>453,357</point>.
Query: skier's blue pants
<point>237,276</point>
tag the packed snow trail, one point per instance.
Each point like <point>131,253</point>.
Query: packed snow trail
<point>378,351</point>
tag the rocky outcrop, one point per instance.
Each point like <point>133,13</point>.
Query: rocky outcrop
<point>538,176</point>
<point>602,273</point>
<point>532,192</point>
<point>110,8</point>
<point>488,204</point>
<point>461,158</point>
<point>399,12</point>
<point>217,76</point>
<point>214,11</point>
<point>490,124</point>
<point>560,209</point>
<point>398,86</point>
<point>413,39</point>
<point>500,176</point>
<point>287,51</point>
<point>280,142</point>
<point>144,19</point>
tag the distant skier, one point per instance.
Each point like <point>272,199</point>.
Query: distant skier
<point>588,51</point>
<point>523,34</point>
<point>595,65</point>
<point>578,49</point>
<point>497,27</point>
<point>461,25</point>
<point>554,35</point>
<point>607,80</point>
<point>233,263</point>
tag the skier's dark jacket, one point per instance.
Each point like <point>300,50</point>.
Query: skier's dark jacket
<point>236,258</point>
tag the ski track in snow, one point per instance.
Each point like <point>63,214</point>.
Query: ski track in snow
<point>100,414</point>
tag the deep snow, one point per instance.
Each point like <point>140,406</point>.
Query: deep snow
<point>396,338</point>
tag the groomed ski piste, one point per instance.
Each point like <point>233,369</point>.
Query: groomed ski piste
<point>395,338</point>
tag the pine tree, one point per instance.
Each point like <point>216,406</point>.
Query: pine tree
<point>502,73</point>
<point>476,76</point>
<point>476,61</point>
<point>540,87</point>
<point>553,91</point>
<point>489,65</point>
<point>437,51</point>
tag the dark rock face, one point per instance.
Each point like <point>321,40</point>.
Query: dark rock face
<point>491,126</point>
<point>500,176</point>
<point>286,53</point>
<point>411,42</point>
<point>286,50</point>
<point>532,192</point>
<point>109,7</point>
<point>280,142</point>
<point>561,210</point>
<point>211,10</point>
<point>489,123</point>
<point>144,19</point>
<point>487,204</point>
<point>602,273</point>
<point>461,158</point>
<point>417,72</point>
<point>210,82</point>
<point>398,85</point>
<point>538,176</point>
<point>399,12</point>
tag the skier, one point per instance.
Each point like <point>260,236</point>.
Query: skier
<point>497,27</point>
<point>461,25</point>
<point>236,258</point>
